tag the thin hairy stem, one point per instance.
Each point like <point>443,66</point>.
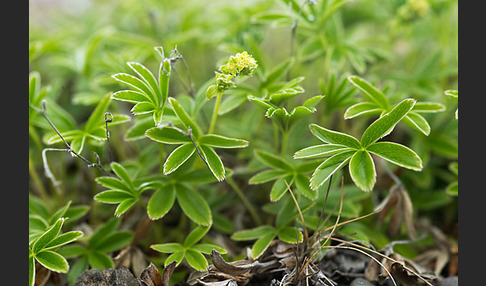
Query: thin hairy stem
<point>69,149</point>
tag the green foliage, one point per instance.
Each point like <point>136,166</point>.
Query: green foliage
<point>43,249</point>
<point>189,250</point>
<point>161,151</point>
<point>94,251</point>
<point>345,148</point>
<point>377,103</point>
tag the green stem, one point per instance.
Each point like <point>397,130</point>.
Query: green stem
<point>285,138</point>
<point>245,201</point>
<point>215,113</point>
<point>275,136</point>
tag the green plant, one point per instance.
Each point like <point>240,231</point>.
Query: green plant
<point>342,149</point>
<point>43,249</point>
<point>189,249</point>
<point>93,251</point>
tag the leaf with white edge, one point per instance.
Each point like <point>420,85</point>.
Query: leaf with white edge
<point>452,93</point>
<point>385,124</point>
<point>180,155</point>
<point>160,203</point>
<point>112,196</point>
<point>453,188</point>
<point>279,188</point>
<point>196,259</point>
<point>77,145</point>
<point>329,167</point>
<point>362,170</point>
<point>290,235</point>
<point>218,141</point>
<point>323,150</point>
<point>197,234</point>
<point>124,206</point>
<point>113,183</point>
<point>418,122</point>
<point>176,256</point>
<point>122,174</point>
<point>361,108</point>
<point>266,176</point>
<point>130,96</point>
<point>313,101</point>
<point>135,83</point>
<point>149,80</point>
<point>164,76</point>
<point>194,205</point>
<point>302,183</point>
<point>397,154</point>
<point>167,247</point>
<point>52,261</point>
<point>47,236</point>
<point>64,239</point>
<point>370,91</point>
<point>167,135</point>
<point>184,118</point>
<point>252,234</point>
<point>273,160</point>
<point>262,244</point>
<point>262,102</point>
<point>214,162</point>
<point>428,107</point>
<point>143,107</point>
<point>334,137</point>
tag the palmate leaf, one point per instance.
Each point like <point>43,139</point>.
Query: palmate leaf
<point>321,151</point>
<point>361,108</point>
<point>52,261</point>
<point>180,155</point>
<point>196,235</point>
<point>167,135</point>
<point>168,247</point>
<point>397,154</point>
<point>334,137</point>
<point>207,248</point>
<point>193,205</point>
<point>47,236</point>
<point>279,188</point>
<point>185,118</point>
<point>329,167</point>
<point>63,239</point>
<point>266,176</point>
<point>124,206</point>
<point>370,91</point>
<point>161,202</point>
<point>417,121</point>
<point>362,170</point>
<point>262,244</point>
<point>196,259</point>
<point>218,141</point>
<point>290,235</point>
<point>214,162</point>
<point>385,124</point>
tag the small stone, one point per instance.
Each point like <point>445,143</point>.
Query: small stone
<point>108,277</point>
<point>361,282</point>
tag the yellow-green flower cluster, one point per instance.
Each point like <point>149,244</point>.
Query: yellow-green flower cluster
<point>239,64</point>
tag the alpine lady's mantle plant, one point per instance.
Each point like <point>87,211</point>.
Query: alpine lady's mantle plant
<point>343,148</point>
